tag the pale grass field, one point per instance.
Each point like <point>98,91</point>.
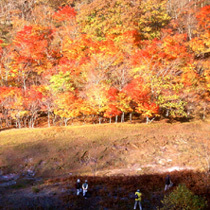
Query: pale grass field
<point>106,149</point>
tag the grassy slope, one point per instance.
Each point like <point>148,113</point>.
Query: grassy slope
<point>130,149</point>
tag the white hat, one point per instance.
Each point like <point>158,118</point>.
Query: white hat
<point>78,180</point>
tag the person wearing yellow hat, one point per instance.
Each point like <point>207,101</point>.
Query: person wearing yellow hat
<point>138,195</point>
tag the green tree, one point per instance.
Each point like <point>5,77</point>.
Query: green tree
<point>183,199</point>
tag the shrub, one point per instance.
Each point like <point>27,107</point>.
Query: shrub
<point>183,199</point>
<point>35,189</point>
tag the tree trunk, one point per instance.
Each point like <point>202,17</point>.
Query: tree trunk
<point>54,119</point>
<point>34,121</point>
<point>116,118</point>
<point>29,123</point>
<point>123,117</point>
<point>204,113</point>
<point>93,118</point>
<point>167,112</point>
<point>19,123</point>
<point>25,122</point>
<point>84,122</point>
<point>48,118</point>
<point>65,121</point>
<point>130,117</point>
<point>34,117</point>
<point>99,120</point>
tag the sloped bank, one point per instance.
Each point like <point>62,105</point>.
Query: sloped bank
<point>94,149</point>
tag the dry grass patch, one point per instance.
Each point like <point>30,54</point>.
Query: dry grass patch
<point>91,149</point>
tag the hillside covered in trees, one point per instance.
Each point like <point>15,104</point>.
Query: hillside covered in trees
<point>97,60</point>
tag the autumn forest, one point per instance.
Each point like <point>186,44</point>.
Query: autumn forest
<point>107,60</point>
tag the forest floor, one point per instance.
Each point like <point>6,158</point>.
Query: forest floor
<point>39,167</point>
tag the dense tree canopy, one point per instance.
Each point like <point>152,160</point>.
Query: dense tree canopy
<point>101,60</point>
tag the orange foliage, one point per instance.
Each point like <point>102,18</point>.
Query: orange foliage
<point>115,57</point>
<point>65,13</point>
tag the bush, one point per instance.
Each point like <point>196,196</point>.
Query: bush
<point>183,199</point>
<point>35,189</point>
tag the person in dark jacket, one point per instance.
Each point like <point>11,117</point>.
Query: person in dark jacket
<point>78,187</point>
<point>168,182</point>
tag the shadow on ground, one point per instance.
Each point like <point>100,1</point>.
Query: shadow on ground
<point>105,193</point>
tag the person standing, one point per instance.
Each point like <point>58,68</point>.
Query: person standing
<point>138,195</point>
<point>168,182</point>
<point>85,188</point>
<point>78,186</point>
